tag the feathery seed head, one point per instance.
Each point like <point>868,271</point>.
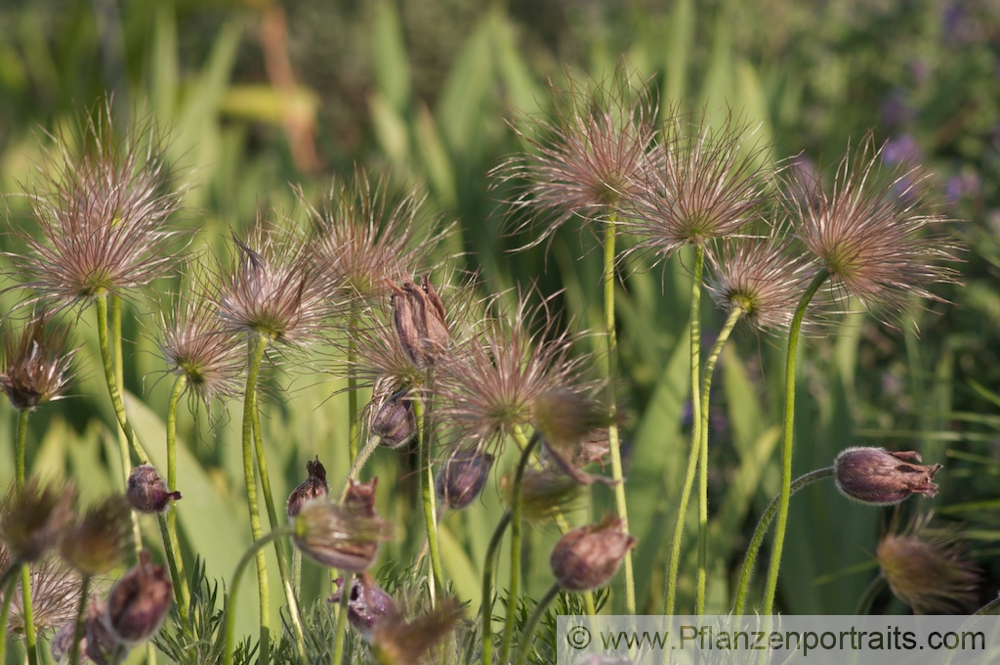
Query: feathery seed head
<point>871,232</point>
<point>55,595</point>
<point>926,570</point>
<point>101,210</point>
<point>548,491</point>
<point>36,367</point>
<point>398,641</point>
<point>95,542</point>
<point>313,487</point>
<point>32,519</point>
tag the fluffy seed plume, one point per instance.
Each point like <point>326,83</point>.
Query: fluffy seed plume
<point>36,368</point>
<point>102,209</point>
<point>95,543</point>
<point>55,595</point>
<point>32,519</point>
<point>871,230</point>
<point>586,156</point>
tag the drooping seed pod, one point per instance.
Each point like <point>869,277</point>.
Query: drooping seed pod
<point>146,492</point>
<point>462,478</point>
<point>366,605</point>
<point>314,487</point>
<point>338,536</point>
<point>139,601</point>
<point>395,422</point>
<point>878,477</point>
<point>588,557</point>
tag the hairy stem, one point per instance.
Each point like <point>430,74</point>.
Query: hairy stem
<point>787,436</point>
<point>81,612</point>
<point>694,339</point>
<point>527,637</point>
<point>341,630</point>
<point>28,609</point>
<point>168,527</point>
<point>706,390</point>
<point>870,593</point>
<point>423,414</point>
<point>489,567</point>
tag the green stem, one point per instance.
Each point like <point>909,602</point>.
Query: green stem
<point>359,462</point>
<point>423,416</point>
<point>694,339</point>
<point>256,353</point>
<point>758,535</point>
<point>611,337</point>
<point>254,552</point>
<point>171,544</point>
<point>771,585</point>
<point>869,595</point>
<point>338,643</point>
<point>272,516</point>
<point>22,440</point>
<point>28,608</point>
<point>515,541</point>
<point>706,391</point>
<point>74,653</point>
<point>489,566</point>
<point>527,637</point>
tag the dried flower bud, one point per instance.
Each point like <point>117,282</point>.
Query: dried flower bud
<point>147,492</point>
<point>588,557</point>
<point>462,478</point>
<point>399,641</point>
<point>139,601</point>
<point>878,477</point>
<point>359,498</point>
<point>419,318</point>
<point>337,536</point>
<point>96,542</point>
<point>926,570</point>
<point>32,519</point>
<point>314,487</point>
<point>395,422</point>
<point>367,604</point>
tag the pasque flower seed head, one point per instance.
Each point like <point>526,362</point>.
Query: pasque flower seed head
<point>879,477</point>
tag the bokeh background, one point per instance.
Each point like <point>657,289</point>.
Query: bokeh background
<point>257,96</point>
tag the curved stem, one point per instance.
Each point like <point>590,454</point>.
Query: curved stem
<point>611,337</point>
<point>272,517</point>
<point>254,552</point>
<point>489,566</point>
<point>74,653</point>
<point>256,353</point>
<point>694,341</point>
<point>28,608</point>
<point>788,430</point>
<point>359,462</point>
<point>22,440</point>
<point>422,412</point>
<point>7,586</point>
<point>869,595</point>
<point>515,542</point>
<point>168,526</point>
<point>706,391</point>
<point>341,630</point>
<point>529,628</point>
<point>758,535</point>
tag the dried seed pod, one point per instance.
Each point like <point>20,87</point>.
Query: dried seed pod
<point>588,557</point>
<point>314,487</point>
<point>339,536</point>
<point>878,477</point>
<point>418,316</point>
<point>462,478</point>
<point>147,493</point>
<point>395,422</point>
<point>139,601</point>
<point>367,603</point>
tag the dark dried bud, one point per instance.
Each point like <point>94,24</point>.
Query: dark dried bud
<point>395,422</point>
<point>139,601</point>
<point>97,644</point>
<point>314,487</point>
<point>881,478</point>
<point>359,498</point>
<point>96,542</point>
<point>367,603</point>
<point>147,493</point>
<point>419,318</point>
<point>35,368</point>
<point>462,478</point>
<point>588,557</point>
<point>31,520</point>
<point>339,536</point>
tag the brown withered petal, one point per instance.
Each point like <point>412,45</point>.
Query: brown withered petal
<point>367,604</point>
<point>36,367</point>
<point>925,568</point>
<point>95,543</point>
<point>462,478</point>
<point>313,487</point>
<point>147,492</point>
<point>139,601</point>
<point>589,556</point>
<point>32,519</point>
<point>395,422</point>
<point>398,641</point>
<point>419,317</point>
<point>878,477</point>
<point>339,537</point>
<point>359,498</point>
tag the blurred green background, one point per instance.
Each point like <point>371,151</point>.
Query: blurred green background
<point>256,96</point>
